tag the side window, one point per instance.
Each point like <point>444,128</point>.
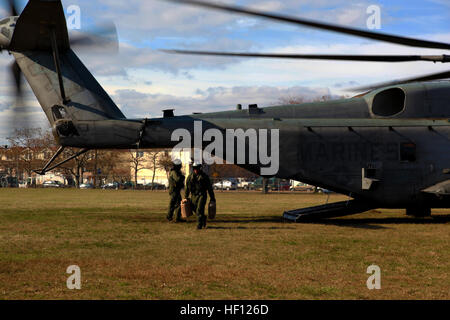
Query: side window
<point>408,152</point>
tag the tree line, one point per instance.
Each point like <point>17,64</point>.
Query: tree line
<point>29,149</point>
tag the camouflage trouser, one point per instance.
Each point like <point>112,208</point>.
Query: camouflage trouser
<point>198,206</point>
<point>174,206</point>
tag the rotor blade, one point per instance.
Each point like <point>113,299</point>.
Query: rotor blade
<point>20,116</point>
<point>429,77</point>
<point>17,77</point>
<point>319,25</point>
<point>13,8</point>
<point>375,58</point>
<point>101,39</point>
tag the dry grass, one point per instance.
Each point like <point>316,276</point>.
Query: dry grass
<point>126,249</point>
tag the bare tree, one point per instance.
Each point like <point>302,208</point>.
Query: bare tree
<point>77,166</point>
<point>30,149</point>
<point>301,99</point>
<point>292,100</point>
<point>137,160</point>
<point>26,145</point>
<point>113,164</point>
<point>165,163</point>
<point>153,157</point>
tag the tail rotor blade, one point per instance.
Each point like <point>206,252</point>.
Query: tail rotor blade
<point>13,8</point>
<point>20,117</point>
<point>102,39</point>
<point>17,77</point>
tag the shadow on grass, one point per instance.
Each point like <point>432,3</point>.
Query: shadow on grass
<point>137,219</point>
<point>249,219</point>
<point>368,223</point>
<point>249,228</point>
<point>359,223</point>
<point>248,222</point>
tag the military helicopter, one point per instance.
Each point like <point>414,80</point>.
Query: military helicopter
<point>386,148</point>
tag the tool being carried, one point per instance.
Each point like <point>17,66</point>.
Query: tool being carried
<point>212,209</point>
<point>186,208</point>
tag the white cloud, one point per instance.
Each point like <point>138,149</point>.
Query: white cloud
<point>137,104</point>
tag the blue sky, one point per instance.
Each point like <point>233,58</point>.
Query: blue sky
<point>143,81</point>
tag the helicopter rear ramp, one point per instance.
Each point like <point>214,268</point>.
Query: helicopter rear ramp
<point>331,210</point>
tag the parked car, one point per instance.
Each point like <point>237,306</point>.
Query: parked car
<point>111,186</point>
<point>86,186</point>
<point>52,184</point>
<point>246,185</point>
<point>127,185</point>
<point>273,184</point>
<point>225,185</point>
<point>300,186</point>
<point>155,186</point>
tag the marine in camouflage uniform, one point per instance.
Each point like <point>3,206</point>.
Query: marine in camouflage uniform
<point>198,185</point>
<point>176,184</point>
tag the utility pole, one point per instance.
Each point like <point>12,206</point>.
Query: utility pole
<point>264,186</point>
<point>95,169</point>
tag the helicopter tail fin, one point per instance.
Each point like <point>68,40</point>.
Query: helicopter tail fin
<point>62,84</point>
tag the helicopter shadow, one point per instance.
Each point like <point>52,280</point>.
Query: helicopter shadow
<point>249,228</point>
<point>248,222</point>
<point>378,223</point>
<point>357,223</point>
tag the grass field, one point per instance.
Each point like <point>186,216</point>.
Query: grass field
<point>127,250</point>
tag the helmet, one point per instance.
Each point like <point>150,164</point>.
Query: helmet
<point>176,162</point>
<point>196,164</point>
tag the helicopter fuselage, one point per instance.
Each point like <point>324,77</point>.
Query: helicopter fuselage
<point>386,146</point>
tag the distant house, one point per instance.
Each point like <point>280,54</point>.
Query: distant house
<point>150,169</point>
<point>20,162</point>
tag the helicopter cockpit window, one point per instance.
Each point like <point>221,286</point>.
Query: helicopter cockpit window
<point>408,152</point>
<point>388,102</point>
